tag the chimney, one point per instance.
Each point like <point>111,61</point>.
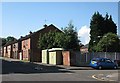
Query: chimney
<point>30,32</point>
<point>45,26</point>
<point>21,36</point>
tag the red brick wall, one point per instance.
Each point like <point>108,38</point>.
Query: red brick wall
<point>4,52</point>
<point>15,51</point>
<point>84,50</point>
<point>1,52</point>
<point>26,44</point>
<point>66,58</point>
<point>32,49</point>
<point>15,47</point>
<point>9,51</point>
<point>25,49</point>
<point>35,51</point>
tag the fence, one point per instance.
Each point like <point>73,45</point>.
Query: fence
<point>84,59</point>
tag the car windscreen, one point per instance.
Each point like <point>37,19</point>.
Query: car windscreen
<point>96,59</point>
<point>108,60</point>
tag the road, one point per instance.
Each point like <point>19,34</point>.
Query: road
<point>25,71</point>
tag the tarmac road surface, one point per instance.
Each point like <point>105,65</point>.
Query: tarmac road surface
<point>25,71</point>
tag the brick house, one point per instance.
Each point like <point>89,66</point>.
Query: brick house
<point>1,51</point>
<point>12,49</point>
<point>84,49</point>
<point>4,51</point>
<point>16,49</point>
<point>7,52</point>
<point>26,48</point>
<point>30,50</point>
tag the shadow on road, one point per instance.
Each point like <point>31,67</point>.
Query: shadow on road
<point>9,67</point>
<point>82,69</point>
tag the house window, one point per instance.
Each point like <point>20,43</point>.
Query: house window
<point>14,46</point>
<point>24,46</point>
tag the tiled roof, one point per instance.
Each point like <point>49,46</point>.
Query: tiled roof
<point>10,42</point>
<point>45,29</point>
<point>85,46</point>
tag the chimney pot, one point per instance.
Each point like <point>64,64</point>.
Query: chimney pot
<point>45,26</point>
<point>30,32</point>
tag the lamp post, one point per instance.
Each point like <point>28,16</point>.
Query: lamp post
<point>106,46</point>
<point>119,40</point>
<point>95,42</point>
<point>92,48</point>
<point>99,36</point>
<point>107,43</point>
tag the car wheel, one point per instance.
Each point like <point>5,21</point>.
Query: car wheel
<point>115,67</point>
<point>100,67</point>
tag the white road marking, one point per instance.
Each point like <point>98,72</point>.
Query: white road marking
<point>100,79</point>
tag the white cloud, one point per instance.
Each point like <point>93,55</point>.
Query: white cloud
<point>84,34</point>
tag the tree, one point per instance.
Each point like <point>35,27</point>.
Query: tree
<point>53,39</point>
<point>66,39</point>
<point>109,43</point>
<point>10,38</point>
<point>3,41</point>
<point>61,40</point>
<point>100,26</point>
<point>96,26</point>
<point>109,25</point>
<point>47,40</point>
<point>71,35</point>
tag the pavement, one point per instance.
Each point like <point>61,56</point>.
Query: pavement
<point>62,66</point>
<point>67,67</point>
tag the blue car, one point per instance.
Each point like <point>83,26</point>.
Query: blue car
<point>101,63</point>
